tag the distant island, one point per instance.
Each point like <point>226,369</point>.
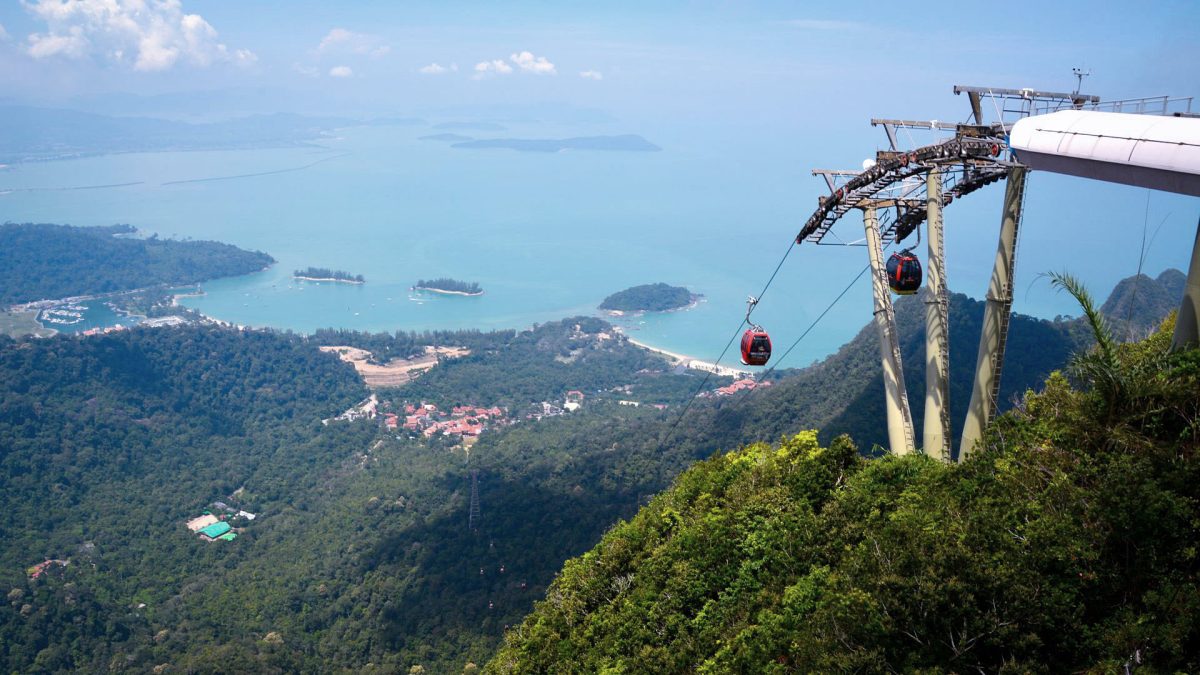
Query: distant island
<point>326,274</point>
<point>658,297</point>
<point>627,143</point>
<point>448,286</point>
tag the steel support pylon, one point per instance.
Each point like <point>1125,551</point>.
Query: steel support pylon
<point>996,315</point>
<point>935,430</point>
<point>1187,321</point>
<point>899,417</point>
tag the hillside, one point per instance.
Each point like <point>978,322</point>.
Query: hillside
<point>56,261</point>
<point>361,552</point>
<point>844,392</point>
<point>1066,545</point>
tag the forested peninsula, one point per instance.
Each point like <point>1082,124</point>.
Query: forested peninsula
<point>449,286</point>
<point>657,297</point>
<point>326,274</point>
<point>40,261</point>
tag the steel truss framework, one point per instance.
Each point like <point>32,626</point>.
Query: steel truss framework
<point>894,192</point>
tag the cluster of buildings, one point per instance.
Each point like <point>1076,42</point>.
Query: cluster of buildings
<point>364,410</point>
<point>213,526</point>
<point>731,389</point>
<point>103,330</point>
<point>426,419</point>
<point>40,568</point>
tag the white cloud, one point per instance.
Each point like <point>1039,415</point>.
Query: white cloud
<point>3,33</point>
<point>438,69</point>
<point>307,71</point>
<point>533,64</point>
<point>341,71</point>
<point>341,42</point>
<point>153,35</point>
<point>591,75</point>
<point>497,66</point>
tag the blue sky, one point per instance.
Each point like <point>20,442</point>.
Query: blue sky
<point>789,63</point>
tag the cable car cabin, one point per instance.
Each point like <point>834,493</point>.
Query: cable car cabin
<point>756,347</point>
<point>904,273</point>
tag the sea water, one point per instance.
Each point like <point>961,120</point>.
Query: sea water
<point>547,235</point>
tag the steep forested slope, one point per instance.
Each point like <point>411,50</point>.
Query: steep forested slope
<point>1066,544</point>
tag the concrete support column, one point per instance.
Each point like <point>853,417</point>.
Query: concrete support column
<point>936,428</point>
<point>995,318</point>
<point>899,417</point>
<point>1187,322</point>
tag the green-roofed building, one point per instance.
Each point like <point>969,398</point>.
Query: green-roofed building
<point>215,530</point>
<point>228,536</point>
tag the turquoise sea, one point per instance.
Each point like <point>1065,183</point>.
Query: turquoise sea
<point>547,235</point>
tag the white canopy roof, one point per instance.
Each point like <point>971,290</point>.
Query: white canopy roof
<point>1147,150</point>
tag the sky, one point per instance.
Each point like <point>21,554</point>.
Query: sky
<point>782,79</point>
<point>794,63</point>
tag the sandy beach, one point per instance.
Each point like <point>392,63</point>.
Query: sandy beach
<point>693,363</point>
<point>445,292</point>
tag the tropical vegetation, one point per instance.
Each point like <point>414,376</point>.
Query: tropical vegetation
<point>657,297</point>
<point>39,261</point>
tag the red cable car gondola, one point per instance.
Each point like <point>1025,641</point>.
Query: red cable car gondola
<point>756,346</point>
<point>903,273</point>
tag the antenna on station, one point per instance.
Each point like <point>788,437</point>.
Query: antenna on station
<point>1079,74</point>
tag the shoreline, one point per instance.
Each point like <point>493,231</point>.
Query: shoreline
<point>445,292</point>
<point>339,281</point>
<point>697,298</point>
<point>690,362</point>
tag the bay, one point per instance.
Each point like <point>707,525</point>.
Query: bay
<point>547,235</point>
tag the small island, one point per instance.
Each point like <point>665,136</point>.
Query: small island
<point>658,297</point>
<point>448,286</point>
<point>325,274</point>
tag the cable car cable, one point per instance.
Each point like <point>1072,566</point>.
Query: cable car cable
<point>811,326</point>
<point>736,332</point>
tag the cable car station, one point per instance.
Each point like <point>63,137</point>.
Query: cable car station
<point>1156,144</point>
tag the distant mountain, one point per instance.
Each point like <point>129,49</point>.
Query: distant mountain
<point>43,133</point>
<point>1138,304</point>
<point>627,142</point>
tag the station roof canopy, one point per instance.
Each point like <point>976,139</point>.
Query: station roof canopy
<point>1153,151</point>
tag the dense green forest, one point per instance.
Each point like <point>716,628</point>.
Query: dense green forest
<point>56,261</point>
<point>449,285</point>
<point>1065,544</point>
<point>361,553</point>
<point>657,297</point>
<point>326,273</point>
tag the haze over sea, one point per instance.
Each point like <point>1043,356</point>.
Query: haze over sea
<point>549,235</point>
